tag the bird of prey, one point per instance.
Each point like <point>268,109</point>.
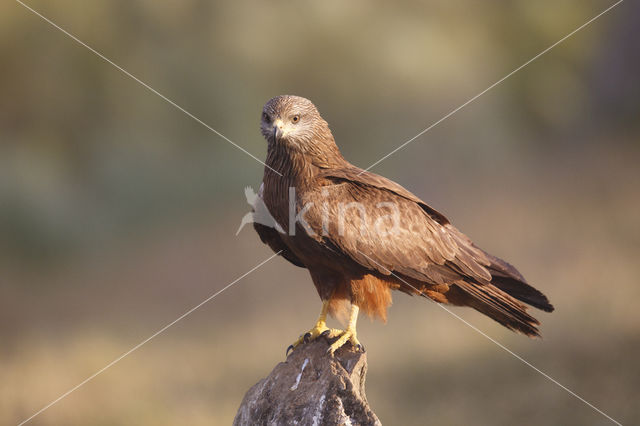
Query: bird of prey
<point>361,235</point>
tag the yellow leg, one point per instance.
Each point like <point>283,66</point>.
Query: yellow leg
<point>349,335</point>
<point>319,329</point>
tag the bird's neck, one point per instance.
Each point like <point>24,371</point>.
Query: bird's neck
<point>288,168</point>
<point>299,168</point>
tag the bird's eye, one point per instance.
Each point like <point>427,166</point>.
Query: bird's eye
<point>266,117</point>
<point>295,118</point>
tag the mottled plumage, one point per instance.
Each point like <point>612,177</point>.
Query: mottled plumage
<point>359,259</point>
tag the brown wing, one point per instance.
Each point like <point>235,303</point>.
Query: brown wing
<point>357,175</point>
<point>420,244</point>
<point>271,237</point>
<point>269,234</point>
<point>424,246</point>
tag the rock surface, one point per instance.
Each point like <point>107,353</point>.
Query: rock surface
<point>311,388</point>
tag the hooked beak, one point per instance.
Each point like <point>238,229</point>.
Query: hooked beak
<point>278,131</point>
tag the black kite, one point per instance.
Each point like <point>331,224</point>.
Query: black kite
<point>353,245</point>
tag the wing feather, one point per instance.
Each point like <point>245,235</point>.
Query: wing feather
<point>420,244</point>
<point>426,248</point>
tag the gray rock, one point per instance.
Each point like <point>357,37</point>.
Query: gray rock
<point>311,388</point>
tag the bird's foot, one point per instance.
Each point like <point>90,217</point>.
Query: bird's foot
<point>348,335</point>
<point>320,329</point>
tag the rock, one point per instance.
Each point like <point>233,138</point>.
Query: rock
<point>311,388</point>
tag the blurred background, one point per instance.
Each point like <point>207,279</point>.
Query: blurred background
<point>118,212</point>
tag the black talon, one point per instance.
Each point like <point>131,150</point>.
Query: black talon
<point>290,348</point>
<point>306,337</point>
<point>360,347</point>
<point>332,340</point>
<point>325,333</point>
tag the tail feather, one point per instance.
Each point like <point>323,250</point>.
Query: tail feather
<point>523,292</point>
<point>503,298</point>
<point>507,278</point>
<point>496,304</point>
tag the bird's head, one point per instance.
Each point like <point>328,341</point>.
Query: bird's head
<point>295,123</point>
